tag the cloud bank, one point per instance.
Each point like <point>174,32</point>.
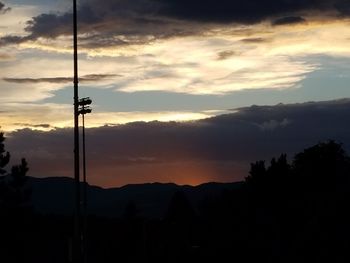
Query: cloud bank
<point>189,47</point>
<point>119,22</point>
<point>207,49</point>
<point>84,79</point>
<point>215,149</point>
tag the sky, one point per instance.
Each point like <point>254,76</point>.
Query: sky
<point>163,75</point>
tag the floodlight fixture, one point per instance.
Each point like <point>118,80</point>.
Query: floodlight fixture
<point>84,101</point>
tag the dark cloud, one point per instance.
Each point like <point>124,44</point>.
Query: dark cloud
<point>226,54</point>
<point>50,25</point>
<point>96,77</point>
<point>242,11</point>
<point>14,40</point>
<point>288,20</point>
<point>109,23</point>
<point>124,22</point>
<point>4,9</point>
<point>255,40</point>
<point>95,17</point>
<point>44,125</point>
<point>343,7</point>
<point>86,78</point>
<point>219,148</point>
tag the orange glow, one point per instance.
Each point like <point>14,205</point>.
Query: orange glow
<point>181,173</point>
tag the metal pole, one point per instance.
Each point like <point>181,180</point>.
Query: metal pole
<point>84,109</point>
<point>77,216</point>
<point>84,196</point>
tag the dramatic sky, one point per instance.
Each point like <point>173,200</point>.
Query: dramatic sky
<point>148,63</point>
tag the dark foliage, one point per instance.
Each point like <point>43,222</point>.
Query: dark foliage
<point>4,156</point>
<point>287,211</point>
<point>15,210</point>
<point>13,192</point>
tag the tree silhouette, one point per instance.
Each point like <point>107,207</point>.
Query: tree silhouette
<point>301,208</point>
<point>257,173</point>
<point>14,207</point>
<point>278,167</point>
<point>4,156</point>
<point>271,177</point>
<point>322,165</point>
<point>13,191</point>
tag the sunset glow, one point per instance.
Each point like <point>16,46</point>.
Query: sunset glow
<point>148,62</point>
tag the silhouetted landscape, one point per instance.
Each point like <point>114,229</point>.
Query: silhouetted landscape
<point>172,131</point>
<point>53,196</point>
<point>284,211</point>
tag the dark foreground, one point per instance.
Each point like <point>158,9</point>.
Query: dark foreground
<point>297,212</point>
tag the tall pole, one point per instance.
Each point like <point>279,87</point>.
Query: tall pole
<point>83,109</point>
<point>84,196</point>
<point>77,217</point>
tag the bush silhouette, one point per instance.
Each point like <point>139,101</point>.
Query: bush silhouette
<point>13,191</point>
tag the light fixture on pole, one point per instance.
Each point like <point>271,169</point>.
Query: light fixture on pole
<point>84,109</point>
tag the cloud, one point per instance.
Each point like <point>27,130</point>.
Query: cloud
<point>255,40</point>
<point>50,25</point>
<point>120,23</point>
<point>343,7</point>
<point>14,40</point>
<point>218,148</point>
<point>43,125</point>
<point>218,64</point>
<point>231,60</point>
<point>4,9</point>
<point>201,72</point>
<point>18,93</point>
<point>273,124</point>
<point>153,51</point>
<point>226,54</point>
<point>16,116</point>
<point>244,11</point>
<point>37,116</point>
<point>5,57</point>
<point>288,20</point>
<point>83,79</point>
<point>111,23</point>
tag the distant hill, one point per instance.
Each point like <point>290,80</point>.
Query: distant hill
<point>55,195</point>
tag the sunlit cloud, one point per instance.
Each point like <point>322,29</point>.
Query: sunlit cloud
<point>30,92</point>
<point>14,116</point>
<point>114,118</point>
<point>14,20</point>
<point>224,60</point>
<point>168,53</point>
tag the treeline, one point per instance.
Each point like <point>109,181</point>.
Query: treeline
<point>285,211</point>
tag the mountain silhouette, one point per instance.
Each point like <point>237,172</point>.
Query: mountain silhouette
<point>54,195</point>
